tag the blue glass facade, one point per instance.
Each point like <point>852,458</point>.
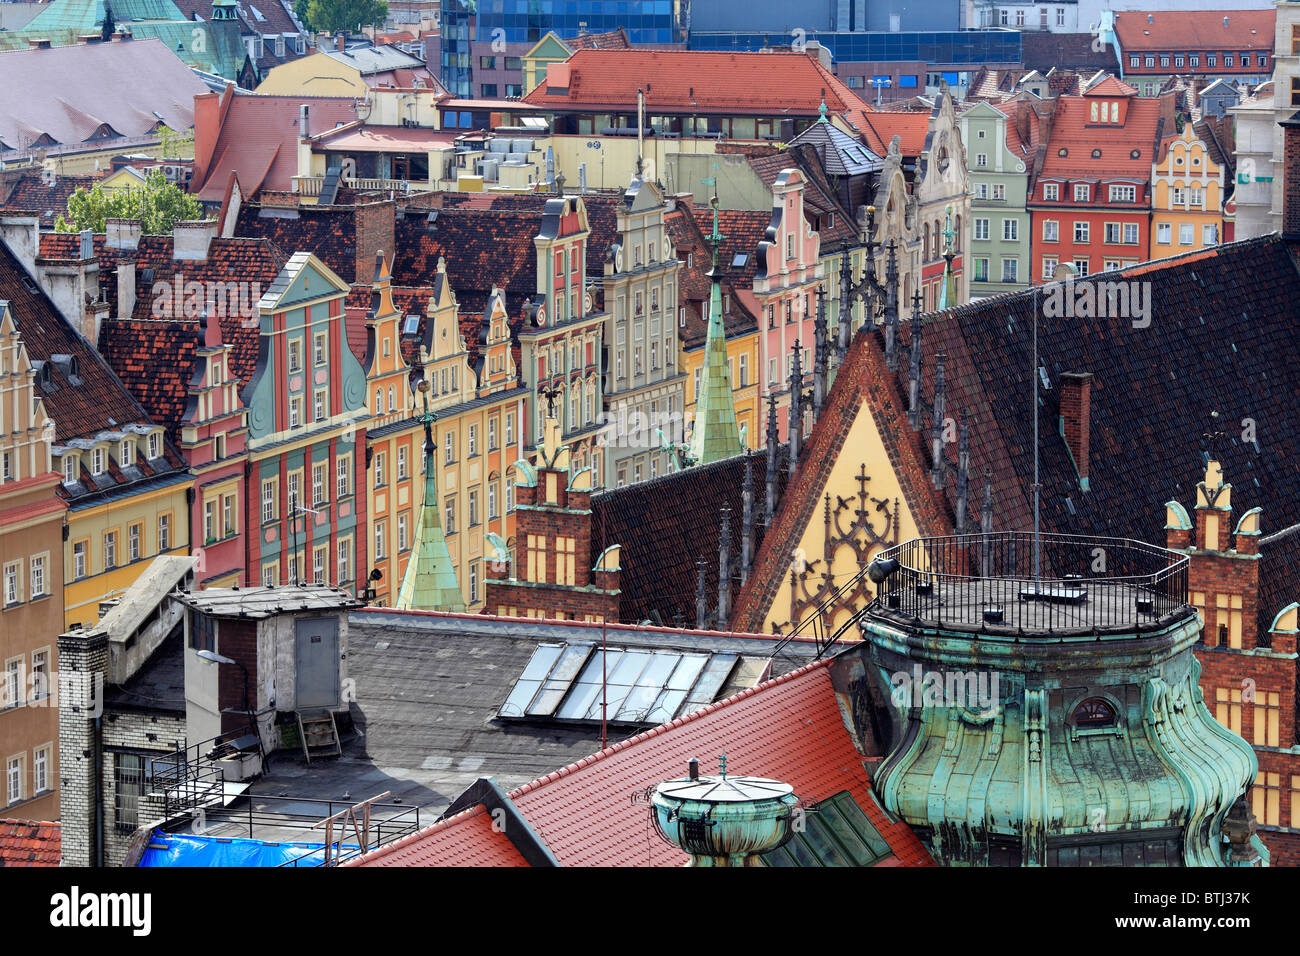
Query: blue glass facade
<point>949,47</point>
<point>527,21</point>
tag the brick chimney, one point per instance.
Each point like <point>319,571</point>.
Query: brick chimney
<point>1076,423</point>
<point>376,224</point>
<point>340,41</point>
<point>1291,178</point>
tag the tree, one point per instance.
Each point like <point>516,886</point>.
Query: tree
<point>332,16</point>
<point>158,204</point>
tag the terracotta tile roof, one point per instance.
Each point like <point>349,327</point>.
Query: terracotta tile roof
<point>613,40</point>
<point>1177,30</point>
<point>742,231</point>
<point>467,839</point>
<point>92,401</point>
<point>665,525</point>
<point>1072,131</point>
<point>698,82</point>
<point>328,232</point>
<point>879,128</point>
<point>788,729</point>
<point>46,197</point>
<point>29,843</point>
<point>1110,86</point>
<point>258,141</point>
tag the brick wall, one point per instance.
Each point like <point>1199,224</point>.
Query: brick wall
<point>375,233</point>
<point>1076,419</point>
<point>83,660</point>
<point>237,640</point>
<point>1291,183</point>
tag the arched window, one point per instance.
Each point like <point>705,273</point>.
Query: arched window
<point>1095,712</point>
<point>926,245</point>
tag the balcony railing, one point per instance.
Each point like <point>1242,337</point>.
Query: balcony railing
<point>1049,585</point>
<point>311,185</point>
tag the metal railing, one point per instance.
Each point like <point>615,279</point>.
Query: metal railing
<point>190,777</point>
<point>1042,584</point>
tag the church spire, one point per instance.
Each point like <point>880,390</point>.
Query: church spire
<point>715,434</point>
<point>794,425</point>
<point>747,521</point>
<point>773,443</point>
<point>430,579</point>
<point>821,360</point>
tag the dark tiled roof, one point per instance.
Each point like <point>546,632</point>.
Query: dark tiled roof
<point>665,525</point>
<point>1040,50</point>
<point>327,232</point>
<point>46,197</point>
<point>29,843</point>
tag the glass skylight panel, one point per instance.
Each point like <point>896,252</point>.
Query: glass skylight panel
<point>649,685</point>
<point>710,682</point>
<point>738,262</point>
<point>672,697</point>
<point>584,700</point>
<point>530,680</point>
<point>559,680</point>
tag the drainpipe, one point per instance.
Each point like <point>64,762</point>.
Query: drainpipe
<point>99,791</point>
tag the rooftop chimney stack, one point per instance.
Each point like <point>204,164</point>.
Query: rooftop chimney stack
<point>1076,401</point>
<point>1291,181</point>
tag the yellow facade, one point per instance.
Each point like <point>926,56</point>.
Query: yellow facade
<point>1187,198</point>
<point>862,447</point>
<point>315,75</point>
<point>742,355</point>
<point>477,432</point>
<point>98,567</point>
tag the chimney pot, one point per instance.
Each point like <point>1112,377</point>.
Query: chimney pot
<point>693,768</point>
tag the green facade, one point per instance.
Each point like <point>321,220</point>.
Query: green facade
<point>995,171</point>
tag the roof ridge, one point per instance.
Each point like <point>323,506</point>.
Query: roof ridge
<point>388,849</point>
<point>664,728</point>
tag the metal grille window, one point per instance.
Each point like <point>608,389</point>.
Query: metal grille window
<point>128,774</point>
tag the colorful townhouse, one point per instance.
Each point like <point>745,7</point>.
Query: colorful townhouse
<point>124,479</point>
<point>414,335</point>
<point>182,336</point>
<point>307,419</point>
<point>1091,204</point>
<point>999,165</point>
<point>644,382</point>
<point>1186,197</point>
<point>31,576</point>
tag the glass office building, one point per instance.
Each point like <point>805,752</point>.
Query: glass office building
<point>949,47</point>
<point>503,26</point>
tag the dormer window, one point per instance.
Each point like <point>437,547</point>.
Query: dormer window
<point>71,468</point>
<point>126,454</point>
<point>155,445</point>
<point>1081,192</point>
<point>97,462</point>
<point>1095,712</point>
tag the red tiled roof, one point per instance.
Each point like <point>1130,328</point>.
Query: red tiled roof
<point>742,231</point>
<point>1175,30</point>
<point>696,81</point>
<point>46,197</point>
<point>1110,86</point>
<point>787,729</point>
<point>258,140</point>
<point>467,839</point>
<point>879,128</point>
<point>29,843</point>
<point>614,40</point>
<point>1072,131</point>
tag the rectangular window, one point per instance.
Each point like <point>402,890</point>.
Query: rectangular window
<point>510,428</point>
<point>1081,231</point>
<point>318,483</point>
<point>1211,59</point>
<point>319,348</point>
<point>344,476</point>
<point>449,521</point>
<point>981,159</point>
<point>380,536</point>
<point>471,441</point>
<point>492,434</point>
<point>13,583</point>
<point>1081,267</point>
<point>981,270</point>
<point>295,355</point>
<point>270,504</point>
<point>1010,230</point>
<point>1130,233</point>
<point>981,191</point>
<point>319,558</point>
<point>1123,193</point>
<point>70,469</point>
<point>209,521</point>
<point>378,466</point>
<point>128,776</point>
<point>41,770</point>
<point>1082,192</point>
<point>1195,60</point>
<point>134,536</point>
<point>449,446</point>
<point>1051,230</point>
<point>295,412</point>
<point>1112,232</point>
<point>1228,59</point>
<point>38,576</point>
<point>492,500</point>
<point>981,228</point>
<point>1209,234</point>
<point>14,779</point>
<point>1009,269</point>
<point>402,542</point>
<point>1267,798</point>
<point>473,508</point>
<point>1164,233</point>
<point>79,560</point>
<point>1196,197</point>
<point>473,582</point>
<point>40,679</point>
<point>320,407</point>
<point>999,191</point>
<point>345,560</point>
<point>110,549</point>
<point>1051,192</point>
<point>1186,233</point>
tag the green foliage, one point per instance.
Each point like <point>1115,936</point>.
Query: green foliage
<point>331,16</point>
<point>158,204</point>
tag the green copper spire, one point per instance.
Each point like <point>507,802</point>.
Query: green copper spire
<point>430,580</point>
<point>715,435</point>
<point>948,291</point>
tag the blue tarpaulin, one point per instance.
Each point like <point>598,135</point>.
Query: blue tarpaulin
<point>177,849</point>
